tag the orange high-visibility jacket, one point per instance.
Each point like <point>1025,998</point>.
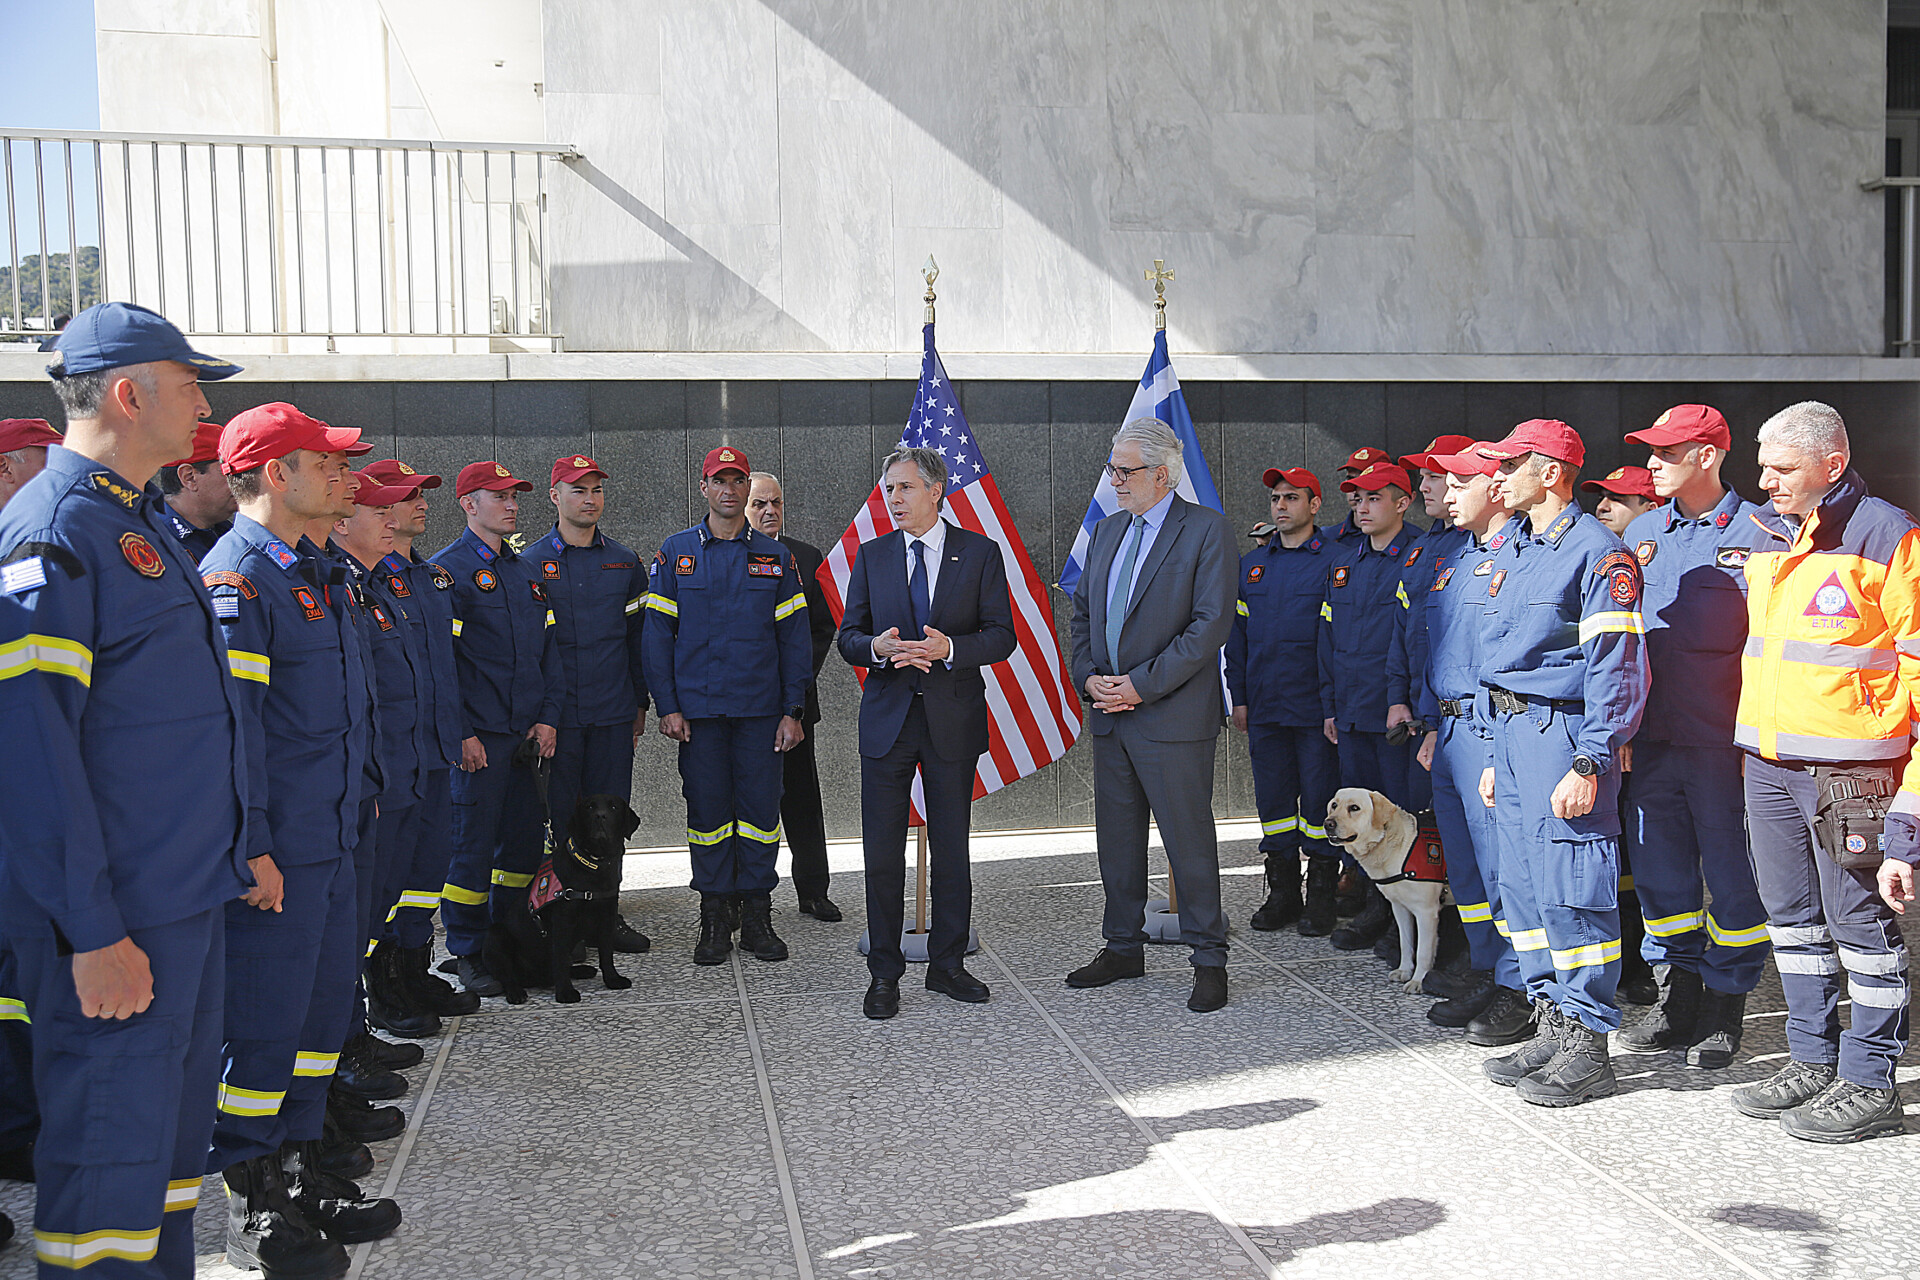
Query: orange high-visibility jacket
<point>1831,670</point>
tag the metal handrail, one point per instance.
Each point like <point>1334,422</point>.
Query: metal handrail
<point>560,150</point>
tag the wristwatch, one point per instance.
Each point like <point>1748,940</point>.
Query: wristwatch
<point>795,713</point>
<point>1585,766</point>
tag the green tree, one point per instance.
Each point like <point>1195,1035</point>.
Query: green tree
<point>59,279</point>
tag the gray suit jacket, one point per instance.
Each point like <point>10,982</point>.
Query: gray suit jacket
<point>1179,616</point>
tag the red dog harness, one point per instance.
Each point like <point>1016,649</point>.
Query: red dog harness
<point>1425,860</point>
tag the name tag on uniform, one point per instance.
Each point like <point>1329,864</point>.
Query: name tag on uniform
<point>618,564</point>
<point>763,566</point>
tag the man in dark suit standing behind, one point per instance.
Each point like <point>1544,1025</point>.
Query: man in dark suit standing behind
<point>801,819</point>
<point>1158,592</point>
<point>927,608</point>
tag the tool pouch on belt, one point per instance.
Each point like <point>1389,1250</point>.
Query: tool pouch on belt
<point>1850,816</point>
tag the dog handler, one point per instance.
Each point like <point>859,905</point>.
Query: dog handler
<point>1565,667</point>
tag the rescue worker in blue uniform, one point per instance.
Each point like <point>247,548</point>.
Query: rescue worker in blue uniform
<point>1274,676</point>
<point>114,919</point>
<point>1565,669</point>
<point>198,506</point>
<point>1345,530</point>
<point>1684,817</point>
<point>1489,1000</point>
<point>728,661</point>
<point>400,980</point>
<point>292,955</point>
<point>597,589</point>
<point>1356,635</point>
<point>23,452</point>
<point>509,674</point>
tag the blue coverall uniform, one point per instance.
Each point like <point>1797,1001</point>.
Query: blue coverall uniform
<point>290,974</point>
<point>1407,655</point>
<point>1564,636</point>
<point>728,649</point>
<point>1448,698</point>
<point>509,675</point>
<point>598,594</point>
<point>196,540</point>
<point>1684,818</point>
<point>106,610</point>
<point>1356,634</point>
<point>1273,671</point>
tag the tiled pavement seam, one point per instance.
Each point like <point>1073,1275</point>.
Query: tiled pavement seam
<point>415,1122</point>
<point>776,1145</point>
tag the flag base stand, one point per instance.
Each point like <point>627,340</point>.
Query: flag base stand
<point>1163,923</point>
<point>913,938</point>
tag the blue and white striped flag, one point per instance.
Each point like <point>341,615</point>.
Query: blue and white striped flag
<point>1157,396</point>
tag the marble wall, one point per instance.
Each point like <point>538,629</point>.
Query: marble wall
<point>1433,176</point>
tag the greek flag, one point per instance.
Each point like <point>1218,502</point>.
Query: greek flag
<point>1157,396</point>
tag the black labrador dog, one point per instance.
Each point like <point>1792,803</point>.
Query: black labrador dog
<point>586,906</point>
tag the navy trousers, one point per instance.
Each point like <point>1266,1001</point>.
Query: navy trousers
<point>731,777</point>
<point>1295,773</point>
<point>19,1114</point>
<point>395,840</point>
<point>594,760</point>
<point>1368,760</point>
<point>126,1105</point>
<point>1825,919</point>
<point>1468,837</point>
<point>499,833</point>
<point>424,873</point>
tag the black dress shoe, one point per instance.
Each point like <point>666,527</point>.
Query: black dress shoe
<point>1451,986</point>
<point>822,909</point>
<point>958,983</point>
<point>629,941</point>
<point>1108,966</point>
<point>1209,988</point>
<point>1507,1019</point>
<point>883,999</point>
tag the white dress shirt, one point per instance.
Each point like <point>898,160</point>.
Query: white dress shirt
<point>935,540</point>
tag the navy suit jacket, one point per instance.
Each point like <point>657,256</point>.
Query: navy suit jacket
<point>971,607</point>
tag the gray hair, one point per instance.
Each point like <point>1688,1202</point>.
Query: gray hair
<point>1810,427</point>
<point>1158,446</point>
<point>763,475</point>
<point>80,394</point>
<point>932,467</point>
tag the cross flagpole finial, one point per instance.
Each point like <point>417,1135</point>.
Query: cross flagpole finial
<point>1157,276</point>
<point>930,272</point>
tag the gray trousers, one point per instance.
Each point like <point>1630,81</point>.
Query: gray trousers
<point>1135,778</point>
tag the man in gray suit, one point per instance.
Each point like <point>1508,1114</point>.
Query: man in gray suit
<point>1159,593</point>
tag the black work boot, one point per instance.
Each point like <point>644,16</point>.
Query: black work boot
<point>1282,906</point>
<point>1458,1010</point>
<point>267,1232</point>
<point>1510,1069</point>
<point>358,1074</point>
<point>332,1203</point>
<point>1323,877</point>
<point>1508,1019</point>
<point>1350,892</point>
<point>716,929</point>
<point>385,1053</point>
<point>1365,929</point>
<point>1451,986</point>
<point>361,1121</point>
<point>628,940</point>
<point>390,1004</point>
<point>1716,1030</point>
<point>474,977</point>
<point>1785,1089</point>
<point>756,928</point>
<point>1580,1072</point>
<point>341,1155</point>
<point>433,994</point>
<point>1670,1025</point>
<point>1846,1112</point>
<point>1386,947</point>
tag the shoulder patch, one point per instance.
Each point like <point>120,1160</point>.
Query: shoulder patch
<point>104,483</point>
<point>23,575</point>
<point>141,555</point>
<point>228,578</point>
<point>1644,553</point>
<point>1622,573</point>
<point>442,580</point>
<point>52,554</point>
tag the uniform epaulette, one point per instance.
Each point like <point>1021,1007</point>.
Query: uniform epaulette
<point>1558,529</point>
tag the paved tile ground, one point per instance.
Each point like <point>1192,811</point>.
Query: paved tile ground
<point>746,1121</point>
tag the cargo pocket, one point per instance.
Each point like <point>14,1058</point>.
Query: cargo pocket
<point>1582,874</point>
<point>114,1102</point>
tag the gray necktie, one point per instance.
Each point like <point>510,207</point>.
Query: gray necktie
<point>1122,592</point>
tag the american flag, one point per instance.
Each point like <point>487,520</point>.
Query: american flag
<point>1032,714</point>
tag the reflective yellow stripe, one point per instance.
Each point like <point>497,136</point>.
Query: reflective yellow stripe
<point>51,654</point>
<point>250,666</point>
<point>549,617</point>
<point>1326,612</point>
<point>790,607</point>
<point>1280,826</point>
<point>633,606</point>
<point>374,942</point>
<point>709,837</point>
<point>1474,912</point>
<point>182,1193</point>
<point>457,625</point>
<point>752,832</point>
<point>316,1064</point>
<point>1668,926</point>
<point>236,1101</point>
<point>1598,953</point>
<point>12,1010</point>
<point>513,879</point>
<point>1240,607</point>
<point>1528,939</point>
<point>660,604</point>
<point>1736,937</point>
<point>71,1252</point>
<point>1596,624</point>
<point>1313,832</point>
<point>1500,927</point>
<point>1400,594</point>
<point>426,899</point>
<point>467,897</point>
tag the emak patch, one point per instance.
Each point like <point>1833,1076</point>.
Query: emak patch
<point>398,585</point>
<point>1340,576</point>
<point>1645,552</point>
<point>380,616</point>
<point>550,569</point>
<point>1255,572</point>
<point>1414,558</point>
<point>684,565</point>
<point>309,603</point>
<point>485,579</point>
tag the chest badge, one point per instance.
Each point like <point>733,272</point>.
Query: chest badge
<point>398,585</point>
<point>442,580</point>
<point>763,566</point>
<point>1732,557</point>
<point>1831,601</point>
<point>1340,576</point>
<point>485,579</point>
<point>309,603</point>
<point>1482,569</point>
<point>141,555</point>
<point>550,569</point>
<point>1644,553</point>
<point>380,616</point>
<point>1441,578</point>
<point>1493,587</point>
<point>1255,572</point>
<point>539,592</point>
<point>684,565</point>
<point>1414,558</point>
<point>1720,521</point>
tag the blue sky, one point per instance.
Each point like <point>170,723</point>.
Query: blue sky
<point>54,84</point>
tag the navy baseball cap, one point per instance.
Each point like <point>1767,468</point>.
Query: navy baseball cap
<point>113,335</point>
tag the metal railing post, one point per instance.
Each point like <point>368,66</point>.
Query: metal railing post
<point>13,239</point>
<point>73,231</point>
<point>40,201</point>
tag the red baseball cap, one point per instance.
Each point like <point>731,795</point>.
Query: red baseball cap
<point>1298,477</point>
<point>1442,445</point>
<point>574,467</point>
<point>486,475</point>
<point>390,471</point>
<point>206,446</point>
<point>1379,476</point>
<point>258,436</point>
<point>1548,437</point>
<point>725,458</point>
<point>1363,457</point>
<point>1685,424</point>
<point>24,433</point>
<point>1470,461</point>
<point>1636,482</point>
<point>372,493</point>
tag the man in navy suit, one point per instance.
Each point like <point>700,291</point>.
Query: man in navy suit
<point>927,608</point>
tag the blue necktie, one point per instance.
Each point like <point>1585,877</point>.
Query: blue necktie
<point>1122,592</point>
<point>917,587</point>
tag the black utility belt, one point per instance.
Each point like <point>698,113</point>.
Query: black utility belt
<point>1514,704</point>
<point>1456,706</point>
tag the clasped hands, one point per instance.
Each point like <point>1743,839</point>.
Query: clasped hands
<point>1113,694</point>
<point>912,653</point>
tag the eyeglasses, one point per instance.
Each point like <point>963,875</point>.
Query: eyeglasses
<point>1117,474</point>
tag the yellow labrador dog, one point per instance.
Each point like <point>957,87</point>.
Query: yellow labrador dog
<point>1380,835</point>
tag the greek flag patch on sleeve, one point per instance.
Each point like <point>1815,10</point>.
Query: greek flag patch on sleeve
<point>23,575</point>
